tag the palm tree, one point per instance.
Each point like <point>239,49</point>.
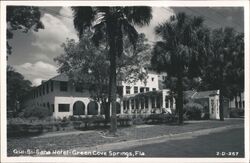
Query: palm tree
<point>111,24</point>
<point>178,52</point>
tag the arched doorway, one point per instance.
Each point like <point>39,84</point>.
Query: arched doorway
<point>78,108</point>
<point>92,108</point>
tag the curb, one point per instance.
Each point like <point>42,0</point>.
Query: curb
<point>153,140</point>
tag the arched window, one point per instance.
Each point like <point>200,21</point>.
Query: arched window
<point>92,108</point>
<point>78,108</point>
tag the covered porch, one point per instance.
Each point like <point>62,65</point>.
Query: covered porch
<point>148,103</point>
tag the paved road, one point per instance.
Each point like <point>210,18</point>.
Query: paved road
<point>231,140</point>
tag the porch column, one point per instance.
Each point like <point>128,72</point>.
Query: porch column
<point>139,104</point>
<point>86,108</point>
<point>149,104</point>
<point>99,108</point>
<point>129,107</point>
<point>174,104</point>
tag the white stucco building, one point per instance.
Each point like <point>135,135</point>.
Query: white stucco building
<point>65,99</point>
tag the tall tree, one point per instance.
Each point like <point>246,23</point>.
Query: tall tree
<point>224,66</point>
<point>17,89</point>
<point>179,51</point>
<point>111,24</point>
<point>88,66</point>
<point>22,18</point>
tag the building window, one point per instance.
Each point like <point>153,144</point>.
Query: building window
<point>153,102</point>
<point>124,105</point>
<point>132,104</point>
<point>63,86</point>
<point>136,103</point>
<point>135,89</point>
<point>212,106</point>
<point>47,87</point>
<point>158,102</point>
<point>152,79</point>
<point>141,89</point>
<point>128,104</point>
<point>146,102</point>
<point>154,89</point>
<point>142,103</point>
<point>51,86</point>
<point>78,88</point>
<point>127,89</point>
<point>147,89</point>
<point>166,102</point>
<point>63,107</point>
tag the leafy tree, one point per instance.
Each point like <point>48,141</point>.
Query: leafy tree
<point>22,18</point>
<point>111,24</point>
<point>180,51</point>
<point>89,67</point>
<point>224,68</point>
<point>17,88</point>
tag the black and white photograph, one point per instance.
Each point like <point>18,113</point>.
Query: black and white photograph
<point>127,81</point>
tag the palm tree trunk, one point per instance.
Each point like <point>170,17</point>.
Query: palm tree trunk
<point>179,103</point>
<point>113,92</point>
<point>114,28</point>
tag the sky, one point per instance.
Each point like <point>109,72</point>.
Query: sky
<point>33,52</point>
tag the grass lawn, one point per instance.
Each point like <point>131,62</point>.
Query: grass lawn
<point>88,139</point>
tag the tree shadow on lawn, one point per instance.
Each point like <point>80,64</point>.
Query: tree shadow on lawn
<point>23,134</point>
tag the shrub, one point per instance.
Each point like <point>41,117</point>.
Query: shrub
<point>160,118</point>
<point>193,111</point>
<point>137,119</point>
<point>236,113</point>
<point>22,127</point>
<point>37,111</point>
